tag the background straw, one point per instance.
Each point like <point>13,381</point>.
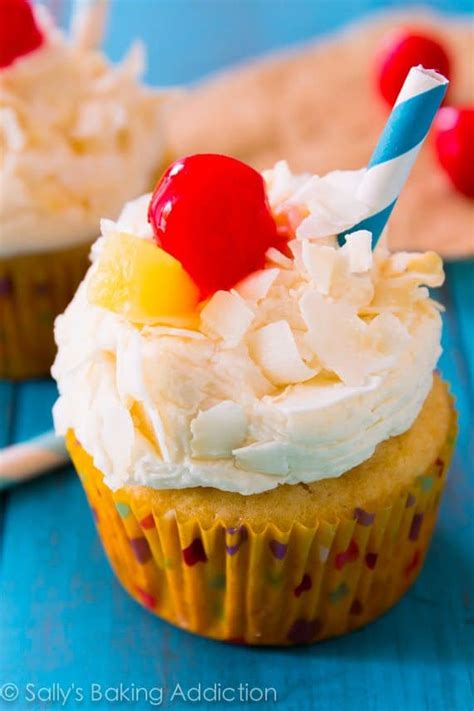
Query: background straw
<point>403,135</point>
<point>88,22</point>
<point>26,460</point>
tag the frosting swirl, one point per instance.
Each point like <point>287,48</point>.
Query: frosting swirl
<point>295,375</point>
<point>78,138</point>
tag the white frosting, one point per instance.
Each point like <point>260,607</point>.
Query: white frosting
<point>78,137</point>
<point>294,376</point>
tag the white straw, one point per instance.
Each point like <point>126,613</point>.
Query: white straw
<point>88,22</point>
<point>21,462</point>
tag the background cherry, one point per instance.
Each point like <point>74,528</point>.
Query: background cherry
<point>211,212</point>
<point>402,49</point>
<point>454,141</point>
<point>19,33</point>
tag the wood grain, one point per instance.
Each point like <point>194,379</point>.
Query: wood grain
<point>65,619</point>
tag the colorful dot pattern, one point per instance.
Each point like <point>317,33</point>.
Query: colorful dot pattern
<point>305,584</point>
<point>364,517</point>
<point>237,536</point>
<point>350,555</point>
<point>141,549</point>
<point>123,509</point>
<point>339,577</point>
<point>278,549</point>
<point>339,593</point>
<point>304,631</point>
<point>194,553</point>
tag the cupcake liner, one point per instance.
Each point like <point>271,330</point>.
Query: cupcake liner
<point>34,289</point>
<point>267,586</point>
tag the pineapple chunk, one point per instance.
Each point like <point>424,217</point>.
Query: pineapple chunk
<point>140,281</point>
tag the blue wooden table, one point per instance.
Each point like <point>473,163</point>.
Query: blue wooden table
<point>65,623</point>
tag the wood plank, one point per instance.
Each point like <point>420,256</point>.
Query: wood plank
<point>63,616</point>
<point>7,405</point>
<point>33,403</point>
<point>461,283</point>
<point>63,601</point>
<point>7,397</point>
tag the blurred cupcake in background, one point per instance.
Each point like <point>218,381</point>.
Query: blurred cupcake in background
<point>78,138</point>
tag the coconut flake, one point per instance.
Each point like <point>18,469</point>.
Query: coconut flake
<point>358,248</point>
<point>281,183</point>
<point>420,268</point>
<point>319,262</point>
<point>108,228</point>
<point>227,316</point>
<point>274,255</point>
<point>347,345</point>
<point>274,349</point>
<point>266,458</point>
<point>296,248</point>
<point>388,336</point>
<point>335,333</point>
<point>11,129</point>
<point>331,202</point>
<point>256,286</point>
<point>133,218</point>
<point>218,430</point>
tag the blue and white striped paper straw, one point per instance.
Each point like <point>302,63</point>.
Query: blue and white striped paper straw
<point>403,135</point>
<point>26,460</point>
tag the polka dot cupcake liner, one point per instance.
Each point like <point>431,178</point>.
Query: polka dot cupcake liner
<point>268,586</point>
<point>34,289</point>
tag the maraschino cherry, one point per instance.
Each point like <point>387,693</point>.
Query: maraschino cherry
<point>454,141</point>
<point>402,49</point>
<point>19,33</point>
<point>211,213</point>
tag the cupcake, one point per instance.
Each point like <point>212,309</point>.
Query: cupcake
<point>78,138</point>
<point>251,406</point>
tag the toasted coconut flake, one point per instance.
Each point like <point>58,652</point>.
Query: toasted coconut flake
<point>421,268</point>
<point>276,257</point>
<point>399,293</point>
<point>155,331</point>
<point>108,228</point>
<point>387,335</point>
<point>267,458</point>
<point>274,348</point>
<point>355,289</point>
<point>335,333</point>
<point>218,430</point>
<point>296,248</point>
<point>14,135</point>
<point>227,316</point>
<point>358,248</point>
<point>347,345</point>
<point>331,203</point>
<point>131,218</point>
<point>281,182</point>
<point>319,262</point>
<point>256,286</point>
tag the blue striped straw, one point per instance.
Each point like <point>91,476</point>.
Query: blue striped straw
<point>29,459</point>
<point>403,135</point>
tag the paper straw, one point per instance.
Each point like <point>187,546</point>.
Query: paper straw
<point>26,460</point>
<point>88,22</point>
<point>403,135</point>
